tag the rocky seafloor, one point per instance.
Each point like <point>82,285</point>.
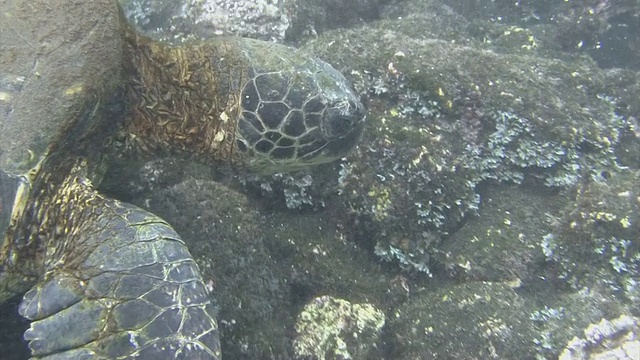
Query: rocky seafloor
<point>490,211</point>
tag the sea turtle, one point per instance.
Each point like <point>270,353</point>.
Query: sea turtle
<point>102,278</point>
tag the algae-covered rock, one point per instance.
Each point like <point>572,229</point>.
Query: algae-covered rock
<point>332,328</point>
<point>502,243</point>
<point>468,321</point>
<point>594,243</point>
<point>445,117</point>
<point>493,320</point>
<point>614,340</point>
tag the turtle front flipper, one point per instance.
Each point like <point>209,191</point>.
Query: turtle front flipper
<point>126,287</point>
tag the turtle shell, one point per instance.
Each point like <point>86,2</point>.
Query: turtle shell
<point>54,75</point>
<point>59,80</point>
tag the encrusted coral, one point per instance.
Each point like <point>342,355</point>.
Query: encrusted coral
<point>615,339</point>
<point>331,328</point>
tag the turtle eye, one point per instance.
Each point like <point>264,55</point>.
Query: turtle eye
<point>340,119</point>
<point>339,125</point>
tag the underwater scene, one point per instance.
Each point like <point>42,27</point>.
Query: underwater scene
<point>320,179</point>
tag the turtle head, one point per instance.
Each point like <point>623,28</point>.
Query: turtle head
<point>297,111</point>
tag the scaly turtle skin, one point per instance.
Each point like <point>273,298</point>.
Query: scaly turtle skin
<point>102,278</point>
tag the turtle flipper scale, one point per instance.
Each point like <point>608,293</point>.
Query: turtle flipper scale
<point>129,288</point>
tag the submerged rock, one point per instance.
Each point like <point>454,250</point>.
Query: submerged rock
<point>332,328</point>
